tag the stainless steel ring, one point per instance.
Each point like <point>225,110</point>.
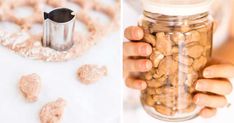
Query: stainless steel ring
<point>59,27</point>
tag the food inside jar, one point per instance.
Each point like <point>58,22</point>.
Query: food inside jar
<point>179,55</point>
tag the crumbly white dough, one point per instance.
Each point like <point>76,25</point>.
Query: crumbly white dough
<point>89,73</point>
<point>30,86</point>
<point>52,112</point>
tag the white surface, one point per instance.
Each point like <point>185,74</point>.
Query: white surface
<point>96,103</point>
<point>177,7</point>
<point>221,34</point>
<point>134,113</point>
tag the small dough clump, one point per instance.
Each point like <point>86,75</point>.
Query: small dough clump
<point>88,73</point>
<point>30,86</point>
<point>52,112</point>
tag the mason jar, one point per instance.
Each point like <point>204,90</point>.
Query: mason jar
<point>180,33</point>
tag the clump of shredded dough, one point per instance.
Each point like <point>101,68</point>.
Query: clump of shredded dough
<point>30,86</point>
<point>27,42</point>
<point>52,112</point>
<point>89,73</point>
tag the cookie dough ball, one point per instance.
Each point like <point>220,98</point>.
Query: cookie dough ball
<point>30,86</point>
<point>52,112</point>
<point>88,73</point>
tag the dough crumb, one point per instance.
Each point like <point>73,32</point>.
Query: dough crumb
<point>89,73</point>
<point>52,112</point>
<point>30,86</point>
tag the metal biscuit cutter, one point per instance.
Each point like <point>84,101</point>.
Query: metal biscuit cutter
<point>58,29</point>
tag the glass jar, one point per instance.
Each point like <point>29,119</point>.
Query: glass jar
<point>180,32</point>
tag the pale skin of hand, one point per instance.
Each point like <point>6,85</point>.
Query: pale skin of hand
<point>215,75</point>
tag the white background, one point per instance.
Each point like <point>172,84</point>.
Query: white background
<point>96,103</point>
<point>134,113</point>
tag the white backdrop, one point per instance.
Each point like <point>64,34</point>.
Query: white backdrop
<point>96,103</point>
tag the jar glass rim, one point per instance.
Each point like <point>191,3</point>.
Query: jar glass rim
<point>177,7</point>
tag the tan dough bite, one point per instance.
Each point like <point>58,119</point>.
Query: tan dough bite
<point>30,86</point>
<point>88,73</point>
<point>52,112</point>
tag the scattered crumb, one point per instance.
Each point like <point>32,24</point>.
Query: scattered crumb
<point>52,112</point>
<point>88,73</point>
<point>30,86</point>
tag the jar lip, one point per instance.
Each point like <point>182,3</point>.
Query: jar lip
<point>179,8</point>
<point>169,20</point>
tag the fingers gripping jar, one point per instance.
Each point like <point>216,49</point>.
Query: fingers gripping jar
<point>180,32</point>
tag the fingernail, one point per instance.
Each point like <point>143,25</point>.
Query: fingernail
<point>206,73</point>
<point>148,50</point>
<point>199,86</point>
<point>148,64</point>
<point>140,33</point>
<point>143,50</point>
<point>144,65</point>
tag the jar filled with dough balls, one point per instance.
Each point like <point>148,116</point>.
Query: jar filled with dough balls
<point>180,32</point>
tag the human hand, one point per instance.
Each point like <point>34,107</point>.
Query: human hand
<point>212,89</point>
<point>134,65</point>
